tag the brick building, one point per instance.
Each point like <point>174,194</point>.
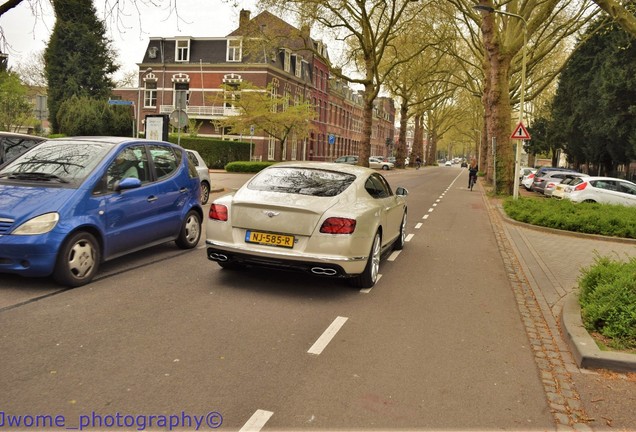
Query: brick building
<point>191,74</point>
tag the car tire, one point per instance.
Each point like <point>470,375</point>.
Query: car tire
<point>78,260</point>
<point>385,167</point>
<point>401,240</point>
<point>369,276</point>
<point>190,231</point>
<point>205,193</point>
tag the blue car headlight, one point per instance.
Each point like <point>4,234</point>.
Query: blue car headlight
<point>38,225</point>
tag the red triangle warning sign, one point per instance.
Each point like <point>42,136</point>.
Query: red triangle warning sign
<point>520,132</point>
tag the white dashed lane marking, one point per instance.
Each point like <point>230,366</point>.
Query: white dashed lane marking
<point>326,337</point>
<point>257,421</point>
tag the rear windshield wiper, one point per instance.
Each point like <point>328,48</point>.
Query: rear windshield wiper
<point>33,176</point>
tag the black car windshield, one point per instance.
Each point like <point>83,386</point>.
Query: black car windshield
<point>304,181</point>
<point>57,161</point>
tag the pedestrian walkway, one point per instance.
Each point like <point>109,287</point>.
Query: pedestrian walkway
<point>544,266</point>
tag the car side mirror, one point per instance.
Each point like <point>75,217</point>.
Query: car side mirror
<point>127,183</point>
<point>401,191</point>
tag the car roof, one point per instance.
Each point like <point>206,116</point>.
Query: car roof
<point>21,135</point>
<point>114,140</point>
<point>590,178</point>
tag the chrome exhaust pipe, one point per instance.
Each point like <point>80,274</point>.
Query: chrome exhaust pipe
<point>323,271</point>
<point>215,256</point>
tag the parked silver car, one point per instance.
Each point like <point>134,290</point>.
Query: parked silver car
<point>204,174</point>
<point>545,175</point>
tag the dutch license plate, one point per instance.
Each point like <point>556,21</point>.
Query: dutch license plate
<point>269,239</point>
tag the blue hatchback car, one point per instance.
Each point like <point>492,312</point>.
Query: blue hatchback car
<point>69,204</point>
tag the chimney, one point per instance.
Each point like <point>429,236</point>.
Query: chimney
<point>244,18</point>
<point>304,31</point>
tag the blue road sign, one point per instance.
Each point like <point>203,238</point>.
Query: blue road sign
<point>331,139</point>
<point>119,102</point>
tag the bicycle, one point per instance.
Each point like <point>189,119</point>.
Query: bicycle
<point>472,179</point>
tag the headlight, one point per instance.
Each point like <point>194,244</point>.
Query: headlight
<point>38,225</point>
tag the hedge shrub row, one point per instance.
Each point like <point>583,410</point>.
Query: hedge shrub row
<point>216,153</point>
<point>589,218</point>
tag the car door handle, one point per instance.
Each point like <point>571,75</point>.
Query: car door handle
<point>152,198</point>
<point>183,190</point>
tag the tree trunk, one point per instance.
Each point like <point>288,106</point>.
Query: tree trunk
<point>401,145</point>
<point>367,124</point>
<point>498,104</point>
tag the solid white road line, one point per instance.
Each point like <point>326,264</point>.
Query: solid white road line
<point>326,337</point>
<point>257,421</point>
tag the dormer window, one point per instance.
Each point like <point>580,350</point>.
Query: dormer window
<point>287,60</point>
<point>298,70</point>
<point>182,50</point>
<point>234,50</point>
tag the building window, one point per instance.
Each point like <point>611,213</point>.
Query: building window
<point>298,66</point>
<point>275,85</point>
<point>271,148</point>
<point>287,61</point>
<point>182,53</point>
<point>150,94</point>
<point>234,53</point>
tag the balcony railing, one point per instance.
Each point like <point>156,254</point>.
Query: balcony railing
<point>202,111</point>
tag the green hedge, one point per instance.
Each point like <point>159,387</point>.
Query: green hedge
<point>608,300</point>
<point>247,167</point>
<point>590,218</point>
<point>216,153</point>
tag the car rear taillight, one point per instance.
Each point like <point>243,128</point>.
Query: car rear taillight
<point>530,175</point>
<point>336,225</point>
<point>580,187</point>
<point>218,212</point>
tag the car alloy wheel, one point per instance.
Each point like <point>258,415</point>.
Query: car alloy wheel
<point>369,276</point>
<point>190,231</point>
<point>205,193</point>
<point>401,240</point>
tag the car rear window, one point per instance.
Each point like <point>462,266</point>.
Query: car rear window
<point>303,181</point>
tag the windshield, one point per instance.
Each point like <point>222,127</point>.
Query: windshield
<point>302,181</point>
<point>57,161</point>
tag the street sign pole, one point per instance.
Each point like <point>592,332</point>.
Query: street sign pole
<point>251,140</point>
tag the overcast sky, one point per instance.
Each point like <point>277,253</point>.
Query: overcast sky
<point>199,18</point>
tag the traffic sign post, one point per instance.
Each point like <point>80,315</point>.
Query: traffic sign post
<point>520,133</point>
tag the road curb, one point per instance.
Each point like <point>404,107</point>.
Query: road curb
<point>584,349</point>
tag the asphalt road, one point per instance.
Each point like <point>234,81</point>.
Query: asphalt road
<point>438,343</point>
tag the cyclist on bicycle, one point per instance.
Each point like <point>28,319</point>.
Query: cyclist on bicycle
<point>472,172</point>
<point>418,162</point>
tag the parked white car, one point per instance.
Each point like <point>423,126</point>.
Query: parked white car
<point>528,179</point>
<point>607,190</point>
<point>559,189</point>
